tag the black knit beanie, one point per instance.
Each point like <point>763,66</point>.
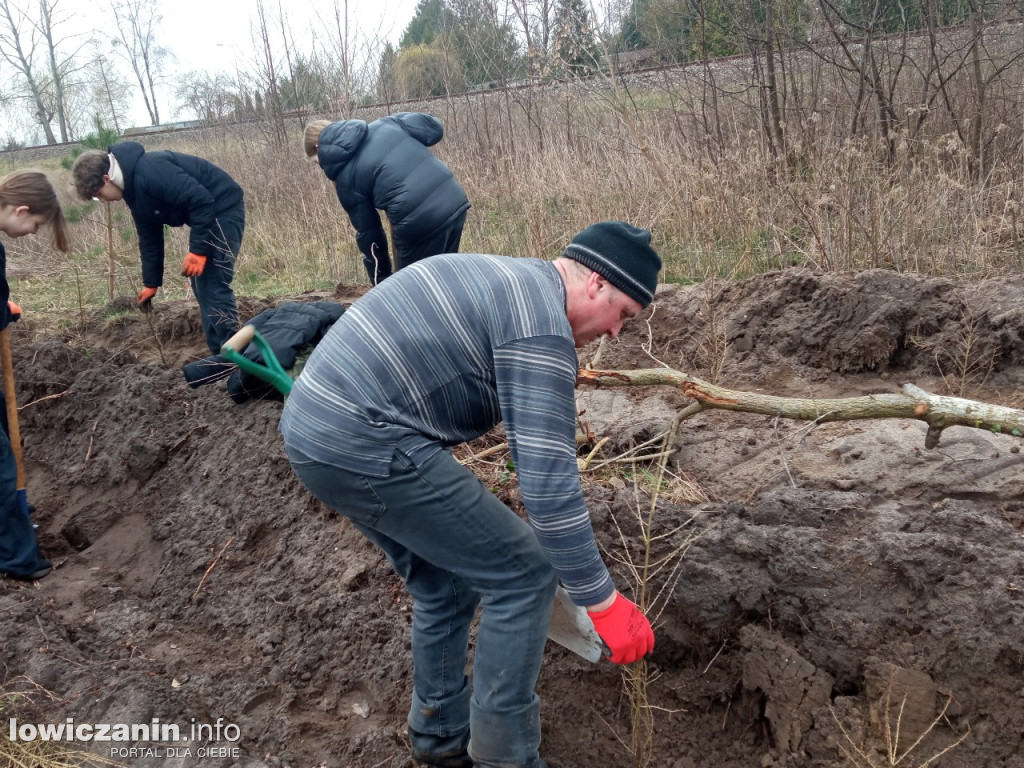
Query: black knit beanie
<point>622,255</point>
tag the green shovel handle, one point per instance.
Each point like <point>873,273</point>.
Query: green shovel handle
<point>270,372</point>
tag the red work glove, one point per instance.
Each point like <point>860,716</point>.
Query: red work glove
<point>193,266</point>
<point>146,298</point>
<point>15,311</point>
<point>625,630</point>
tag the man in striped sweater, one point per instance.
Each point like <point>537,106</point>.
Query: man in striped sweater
<point>436,356</point>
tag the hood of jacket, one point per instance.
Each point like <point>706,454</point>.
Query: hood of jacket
<point>337,144</point>
<point>425,128</point>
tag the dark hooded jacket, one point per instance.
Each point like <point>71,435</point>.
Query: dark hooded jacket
<point>291,329</point>
<point>175,189</point>
<point>386,165</point>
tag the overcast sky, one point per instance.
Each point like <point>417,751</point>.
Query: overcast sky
<point>220,31</point>
<point>217,35</point>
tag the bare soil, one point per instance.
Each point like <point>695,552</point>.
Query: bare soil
<point>843,582</point>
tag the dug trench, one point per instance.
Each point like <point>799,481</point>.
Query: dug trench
<point>833,592</point>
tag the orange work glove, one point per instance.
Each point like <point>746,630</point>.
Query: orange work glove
<point>193,266</point>
<point>625,630</point>
<point>15,311</point>
<point>146,298</point>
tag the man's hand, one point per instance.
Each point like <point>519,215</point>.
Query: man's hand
<point>625,630</point>
<point>146,298</point>
<point>193,266</point>
<point>15,311</point>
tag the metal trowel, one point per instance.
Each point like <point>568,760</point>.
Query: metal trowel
<point>571,627</point>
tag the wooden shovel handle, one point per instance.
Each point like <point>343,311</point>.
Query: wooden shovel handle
<point>242,339</point>
<point>10,397</point>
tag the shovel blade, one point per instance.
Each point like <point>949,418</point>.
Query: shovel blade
<point>571,627</point>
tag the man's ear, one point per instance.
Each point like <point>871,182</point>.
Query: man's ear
<point>594,283</point>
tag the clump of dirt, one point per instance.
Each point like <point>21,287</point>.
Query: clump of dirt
<point>840,577</point>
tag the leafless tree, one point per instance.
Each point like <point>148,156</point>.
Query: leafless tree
<point>989,69</point>
<point>336,48</point>
<point>289,61</point>
<point>46,29</point>
<point>110,91</point>
<point>17,123</point>
<point>708,104</point>
<point>62,59</point>
<point>346,57</point>
<point>764,47</point>
<point>137,23</point>
<point>209,97</point>
<point>267,77</point>
<point>864,54</point>
<point>535,19</point>
<point>958,68</point>
<point>19,45</point>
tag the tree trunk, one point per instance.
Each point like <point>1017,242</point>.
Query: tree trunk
<point>777,126</point>
<point>975,144</point>
<point>108,92</point>
<point>154,110</point>
<point>46,22</point>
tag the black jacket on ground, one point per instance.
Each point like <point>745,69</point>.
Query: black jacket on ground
<point>175,189</point>
<point>290,329</point>
<point>386,165</point>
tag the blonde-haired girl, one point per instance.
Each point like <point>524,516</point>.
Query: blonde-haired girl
<point>27,202</point>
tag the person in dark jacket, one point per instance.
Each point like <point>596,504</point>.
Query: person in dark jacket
<point>174,189</point>
<point>386,165</point>
<point>27,202</point>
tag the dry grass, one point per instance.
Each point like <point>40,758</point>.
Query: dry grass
<point>19,697</point>
<point>539,165</point>
<point>892,750</point>
<point>49,754</point>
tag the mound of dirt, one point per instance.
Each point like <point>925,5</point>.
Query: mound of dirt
<point>828,590</point>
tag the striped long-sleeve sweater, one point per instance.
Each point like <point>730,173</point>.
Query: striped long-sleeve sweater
<point>437,355</point>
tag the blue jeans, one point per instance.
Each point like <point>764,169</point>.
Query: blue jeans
<point>217,310</point>
<point>19,549</point>
<point>456,546</point>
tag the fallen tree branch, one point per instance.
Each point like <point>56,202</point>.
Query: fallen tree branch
<point>47,397</point>
<point>212,565</point>
<point>197,428</point>
<point>938,411</point>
